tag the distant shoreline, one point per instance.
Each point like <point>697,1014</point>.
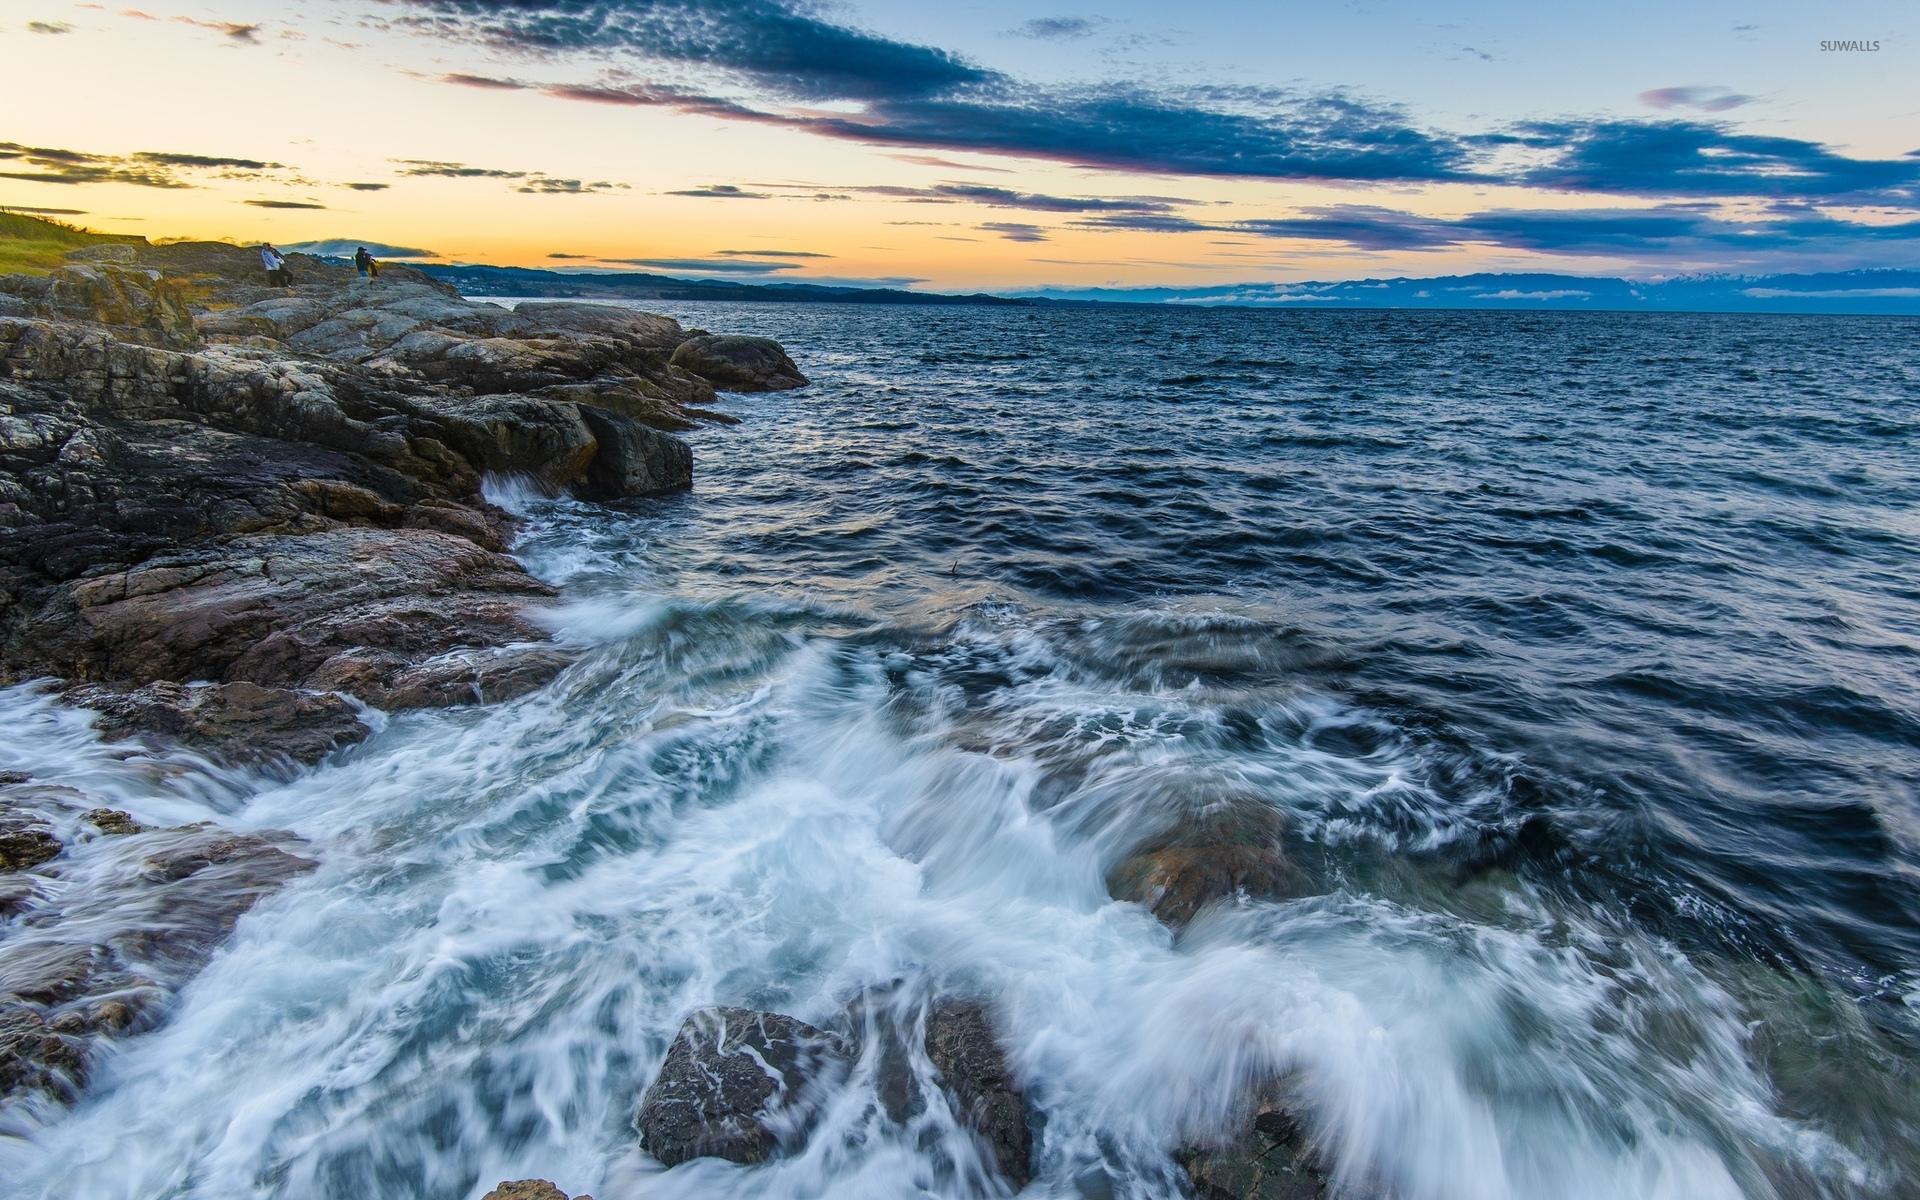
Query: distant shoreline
<point>1852,293</point>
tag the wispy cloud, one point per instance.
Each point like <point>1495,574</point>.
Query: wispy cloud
<point>722,191</point>
<point>1704,99</point>
<point>147,168</point>
<point>1055,28</point>
<point>1014,231</point>
<point>723,266</point>
<point>282,204</point>
<point>49,27</point>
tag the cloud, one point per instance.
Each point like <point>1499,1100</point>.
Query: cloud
<point>770,254</point>
<point>1705,99</point>
<point>367,187</point>
<point>586,256</point>
<point>1666,158</point>
<point>724,267</point>
<point>482,81</point>
<point>928,160</point>
<point>45,212</point>
<point>344,248</point>
<point>546,185</point>
<point>235,30</point>
<point>49,27</point>
<point>281,204</point>
<point>999,197</point>
<point>1013,231</point>
<point>453,170</point>
<point>721,191</point>
<point>1054,28</point>
<point>775,61</point>
<point>201,160</point>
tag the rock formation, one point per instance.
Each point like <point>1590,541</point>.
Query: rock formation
<point>149,926</point>
<point>203,478</point>
<point>737,1084</point>
<point>232,513</point>
<point>1227,847</point>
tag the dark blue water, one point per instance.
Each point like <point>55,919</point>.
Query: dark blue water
<point>1579,652</point>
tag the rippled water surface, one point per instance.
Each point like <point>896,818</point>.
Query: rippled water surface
<point>1578,651</point>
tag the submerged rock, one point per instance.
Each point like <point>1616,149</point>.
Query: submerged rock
<point>241,722</point>
<point>149,928</point>
<point>1225,849</point>
<point>112,822</point>
<point>25,844</point>
<point>739,364</point>
<point>529,1189</point>
<point>980,1088</point>
<point>1272,1159</point>
<point>737,1084</point>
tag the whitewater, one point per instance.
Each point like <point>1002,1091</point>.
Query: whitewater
<point>1577,653</point>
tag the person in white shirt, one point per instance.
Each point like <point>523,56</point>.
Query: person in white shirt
<point>276,265</point>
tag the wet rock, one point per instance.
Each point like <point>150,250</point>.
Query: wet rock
<point>543,440</point>
<point>633,460</point>
<point>981,1089</point>
<point>272,609</point>
<point>149,929</point>
<point>486,675</point>
<point>240,722</point>
<point>112,821</point>
<point>27,846</point>
<point>1271,1159</point>
<point>8,778</point>
<point>529,1189</point>
<point>738,1084</point>
<point>1209,855</point>
<point>739,364</point>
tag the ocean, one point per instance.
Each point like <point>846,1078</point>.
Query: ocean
<point>1579,652</point>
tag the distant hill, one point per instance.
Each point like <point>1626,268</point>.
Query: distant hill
<point>1883,292</point>
<point>633,285</point>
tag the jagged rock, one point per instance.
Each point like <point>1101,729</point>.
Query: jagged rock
<point>633,460</point>
<point>483,675</point>
<point>1270,1159</point>
<point>737,1084</point>
<point>517,435</point>
<point>139,305</point>
<point>981,1089</point>
<point>529,1189</point>
<point>112,821</point>
<point>1207,856</point>
<point>272,609</point>
<point>739,364</point>
<point>150,929</point>
<point>25,845</point>
<point>240,722</point>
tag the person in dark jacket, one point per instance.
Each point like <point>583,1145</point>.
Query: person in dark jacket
<point>365,264</point>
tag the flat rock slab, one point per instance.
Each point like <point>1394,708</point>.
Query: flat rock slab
<point>241,723</point>
<point>738,1084</point>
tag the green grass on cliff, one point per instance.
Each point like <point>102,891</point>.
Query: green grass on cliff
<point>34,245</point>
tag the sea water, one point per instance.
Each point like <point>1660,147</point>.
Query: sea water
<point>1579,653</point>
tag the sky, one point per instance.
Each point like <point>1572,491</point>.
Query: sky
<point>985,146</point>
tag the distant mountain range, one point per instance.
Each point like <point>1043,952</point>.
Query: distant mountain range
<point>1863,292</point>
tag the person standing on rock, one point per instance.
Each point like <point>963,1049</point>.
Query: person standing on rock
<point>364,263</point>
<point>276,265</point>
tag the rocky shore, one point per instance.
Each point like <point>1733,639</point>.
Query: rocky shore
<point>232,515</point>
<point>236,518</point>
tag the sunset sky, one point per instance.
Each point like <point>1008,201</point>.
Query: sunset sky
<point>986,145</point>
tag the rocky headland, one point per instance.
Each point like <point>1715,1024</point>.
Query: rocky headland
<point>235,517</point>
<point>232,515</point>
